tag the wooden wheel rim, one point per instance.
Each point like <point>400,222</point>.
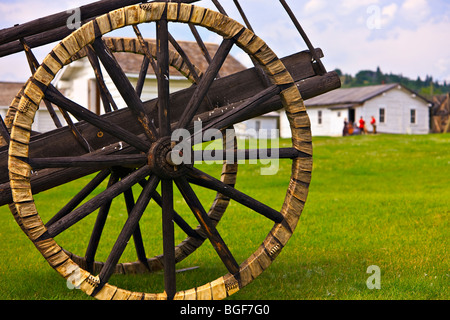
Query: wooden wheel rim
<point>218,208</point>
<point>297,192</point>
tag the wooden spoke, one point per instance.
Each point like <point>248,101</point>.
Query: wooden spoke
<point>162,55</point>
<point>317,63</point>
<point>244,111</point>
<point>4,131</point>
<point>128,229</point>
<point>83,194</point>
<point>106,96</point>
<point>207,225</point>
<point>168,238</point>
<point>185,57</point>
<point>88,161</point>
<point>148,60</point>
<point>243,15</point>
<point>137,235</point>
<point>202,179</point>
<point>142,76</point>
<point>34,64</point>
<point>200,43</point>
<point>219,7</point>
<point>87,208</point>
<point>131,153</point>
<point>125,88</point>
<point>144,47</point>
<point>82,113</point>
<point>99,226</point>
<point>178,219</point>
<point>205,83</point>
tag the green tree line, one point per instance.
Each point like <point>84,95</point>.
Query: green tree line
<point>427,87</point>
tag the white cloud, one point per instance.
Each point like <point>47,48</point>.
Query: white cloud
<point>346,7</point>
<point>13,12</point>
<point>314,6</point>
<point>415,10</point>
<point>338,27</point>
<point>388,14</point>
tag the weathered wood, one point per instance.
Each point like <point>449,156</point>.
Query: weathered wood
<point>206,82</point>
<point>108,102</point>
<point>99,225</point>
<point>54,27</point>
<point>95,203</point>
<point>185,57</point>
<point>317,63</point>
<point>137,234</point>
<point>142,76</point>
<point>242,112</point>
<point>60,19</point>
<point>202,179</point>
<point>57,98</point>
<point>127,231</point>
<point>4,133</point>
<point>246,154</point>
<point>88,161</point>
<point>39,147</point>
<point>168,238</point>
<point>162,39</point>
<point>202,217</point>
<point>147,60</point>
<point>243,15</point>
<point>80,196</point>
<point>284,94</point>
<point>125,88</point>
<point>200,43</point>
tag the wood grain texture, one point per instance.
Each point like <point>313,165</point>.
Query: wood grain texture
<point>297,191</point>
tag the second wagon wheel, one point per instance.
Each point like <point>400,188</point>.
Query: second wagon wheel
<point>139,47</point>
<point>155,164</point>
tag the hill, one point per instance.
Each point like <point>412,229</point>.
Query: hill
<point>427,87</point>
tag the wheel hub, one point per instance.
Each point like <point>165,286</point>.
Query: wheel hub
<point>160,160</point>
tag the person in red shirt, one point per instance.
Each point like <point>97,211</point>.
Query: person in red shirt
<point>362,125</point>
<point>373,122</point>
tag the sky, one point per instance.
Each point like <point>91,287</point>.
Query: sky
<point>408,37</point>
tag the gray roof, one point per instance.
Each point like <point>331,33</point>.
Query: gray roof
<point>348,97</point>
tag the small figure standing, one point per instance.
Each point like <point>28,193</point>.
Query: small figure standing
<point>345,127</point>
<point>373,122</point>
<point>362,125</point>
<point>351,129</point>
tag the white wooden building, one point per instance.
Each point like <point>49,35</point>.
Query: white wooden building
<point>8,90</point>
<point>397,110</point>
<point>42,122</point>
<point>78,81</point>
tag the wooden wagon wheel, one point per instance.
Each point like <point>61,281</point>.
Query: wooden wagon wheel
<point>195,237</point>
<point>156,166</point>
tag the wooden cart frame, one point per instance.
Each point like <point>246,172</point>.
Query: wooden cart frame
<point>133,146</point>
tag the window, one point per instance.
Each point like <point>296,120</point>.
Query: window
<point>382,115</point>
<point>319,117</point>
<point>257,125</point>
<point>413,116</point>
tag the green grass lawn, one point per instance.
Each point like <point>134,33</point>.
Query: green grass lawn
<point>374,200</point>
